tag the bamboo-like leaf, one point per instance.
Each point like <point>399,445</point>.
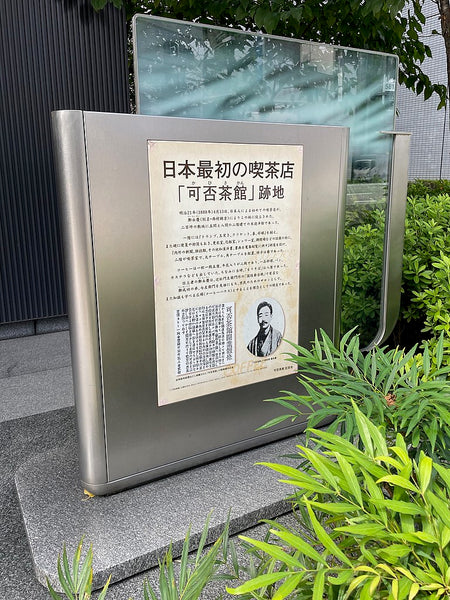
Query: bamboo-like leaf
<point>276,421</point>
<point>321,466</point>
<point>298,478</point>
<point>363,429</point>
<point>444,472</point>
<point>288,586</point>
<point>354,584</point>
<point>85,574</point>
<point>75,563</point>
<point>398,506</point>
<point>325,539</point>
<point>71,582</point>
<point>102,594</point>
<point>275,552</point>
<point>364,529</point>
<point>62,580</point>
<point>425,469</point>
<point>440,351</point>
<point>317,346</point>
<point>397,480</point>
<point>342,577</point>
<point>386,568</point>
<point>53,594</point>
<point>202,541</point>
<point>299,544</point>
<point>445,538</point>
<point>439,506</point>
<point>256,583</point>
<point>394,589</point>
<point>148,590</point>
<point>373,586</point>
<point>335,508</point>
<point>184,559</point>
<point>319,585</point>
<point>393,552</point>
<point>413,591</point>
<point>350,477</point>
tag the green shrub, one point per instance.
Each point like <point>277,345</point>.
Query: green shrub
<point>432,187</point>
<point>397,390</point>
<point>379,523</point>
<point>362,273</point>
<point>425,304</point>
<point>425,300</point>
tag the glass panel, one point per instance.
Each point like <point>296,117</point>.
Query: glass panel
<point>190,70</point>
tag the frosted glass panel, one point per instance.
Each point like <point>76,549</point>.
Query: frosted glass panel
<point>190,70</point>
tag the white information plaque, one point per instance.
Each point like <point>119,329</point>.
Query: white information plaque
<point>226,252</point>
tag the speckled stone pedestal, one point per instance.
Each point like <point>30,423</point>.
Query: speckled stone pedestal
<point>131,530</point>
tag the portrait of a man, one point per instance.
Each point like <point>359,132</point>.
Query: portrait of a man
<point>268,338</point>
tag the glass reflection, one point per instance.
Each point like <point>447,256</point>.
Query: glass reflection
<point>190,70</point>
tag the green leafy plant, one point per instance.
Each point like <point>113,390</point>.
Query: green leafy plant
<point>406,394</point>
<point>379,521</point>
<point>76,579</point>
<point>425,300</point>
<point>193,574</point>
<point>428,187</point>
<point>362,273</point>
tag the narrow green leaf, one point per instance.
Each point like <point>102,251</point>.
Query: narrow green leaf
<point>355,583</point>
<point>63,582</point>
<point>183,563</point>
<point>275,552</point>
<point>398,481</point>
<point>439,506</point>
<point>413,591</point>
<point>362,421</point>
<point>75,563</point>
<point>202,541</point>
<point>350,477</point>
<point>85,574</point>
<point>53,594</point>
<point>440,351</point>
<point>425,469</point>
<point>299,544</point>
<point>393,552</point>
<point>398,506</point>
<point>444,472</point>
<point>319,584</point>
<point>288,586</point>
<point>320,464</point>
<point>370,529</point>
<point>257,583</point>
<point>102,594</point>
<point>335,508</point>
<point>66,568</point>
<point>342,577</point>
<point>325,539</point>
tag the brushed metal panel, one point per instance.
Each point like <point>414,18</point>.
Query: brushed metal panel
<point>144,440</point>
<point>394,235</point>
<point>72,180</point>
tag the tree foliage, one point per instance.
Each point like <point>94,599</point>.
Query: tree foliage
<point>393,26</point>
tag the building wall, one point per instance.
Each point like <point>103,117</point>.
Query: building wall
<point>430,142</point>
<point>54,54</point>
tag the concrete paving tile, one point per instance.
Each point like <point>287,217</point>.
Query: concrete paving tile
<point>34,353</point>
<point>34,393</point>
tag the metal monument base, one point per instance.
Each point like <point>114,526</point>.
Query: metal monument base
<point>131,531</point>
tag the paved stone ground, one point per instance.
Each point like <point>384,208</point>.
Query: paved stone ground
<point>37,416</point>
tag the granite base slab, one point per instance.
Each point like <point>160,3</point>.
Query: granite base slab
<point>130,531</point>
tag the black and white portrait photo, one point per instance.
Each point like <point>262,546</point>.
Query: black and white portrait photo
<point>268,325</point>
